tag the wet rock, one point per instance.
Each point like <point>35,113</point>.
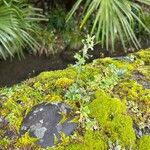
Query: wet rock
<point>46,122</point>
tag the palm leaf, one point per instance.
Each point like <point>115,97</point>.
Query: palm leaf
<point>113,20</point>
<point>16,28</point>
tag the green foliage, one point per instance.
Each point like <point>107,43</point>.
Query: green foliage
<point>74,92</point>
<point>67,34</point>
<point>112,20</point>
<point>47,42</point>
<point>145,17</point>
<point>56,19</point>
<point>17,26</point>
<point>144,143</point>
<point>81,58</point>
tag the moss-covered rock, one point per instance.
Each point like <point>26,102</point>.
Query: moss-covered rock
<point>132,91</point>
<point>114,102</point>
<point>112,118</point>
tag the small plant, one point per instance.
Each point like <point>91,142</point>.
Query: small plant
<point>77,93</point>
<point>87,122</point>
<point>74,92</point>
<point>81,58</point>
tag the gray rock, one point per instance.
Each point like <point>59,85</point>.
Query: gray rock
<point>141,80</point>
<point>141,131</point>
<point>44,122</point>
<point>129,59</point>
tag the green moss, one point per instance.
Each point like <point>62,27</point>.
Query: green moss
<point>132,91</point>
<point>120,64</point>
<point>91,141</point>
<point>144,143</point>
<point>25,141</point>
<point>63,82</point>
<point>105,105</point>
<point>113,122</point>
<point>4,143</point>
<point>110,113</point>
<point>143,72</point>
<point>53,75</point>
<point>144,55</point>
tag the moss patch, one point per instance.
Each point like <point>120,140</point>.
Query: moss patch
<point>108,100</point>
<point>112,118</point>
<point>144,143</point>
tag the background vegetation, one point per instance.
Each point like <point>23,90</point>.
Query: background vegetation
<point>17,26</point>
<point>111,21</point>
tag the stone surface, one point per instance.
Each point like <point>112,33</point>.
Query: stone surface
<point>141,131</point>
<point>141,80</point>
<point>46,121</point>
<point>125,58</point>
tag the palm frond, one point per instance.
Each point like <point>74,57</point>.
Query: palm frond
<point>113,20</point>
<point>16,28</point>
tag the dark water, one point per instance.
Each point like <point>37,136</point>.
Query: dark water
<point>14,71</point>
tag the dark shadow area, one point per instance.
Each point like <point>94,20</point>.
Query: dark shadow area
<point>14,71</point>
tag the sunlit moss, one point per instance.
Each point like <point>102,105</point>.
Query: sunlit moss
<point>91,140</point>
<point>112,118</point>
<point>132,91</point>
<point>25,141</point>
<point>4,143</point>
<point>63,82</point>
<point>144,55</point>
<point>144,143</point>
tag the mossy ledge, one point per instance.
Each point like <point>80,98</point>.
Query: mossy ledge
<point>112,101</point>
